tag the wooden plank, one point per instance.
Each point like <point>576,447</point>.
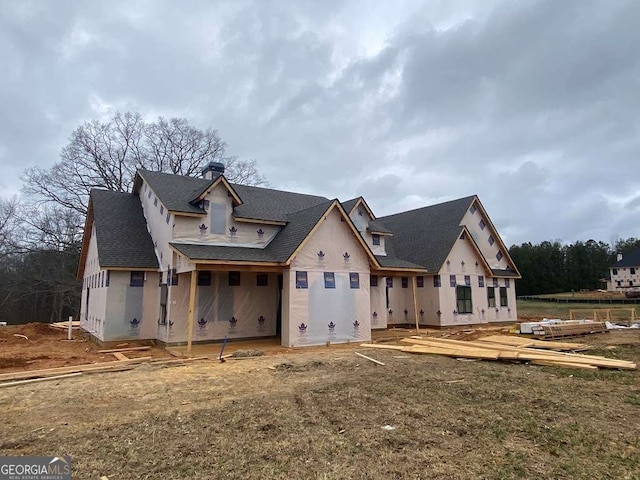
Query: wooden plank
<point>192,309</point>
<point>550,363</point>
<point>414,285</point>
<point>453,352</point>
<point>128,349</point>
<point>120,356</point>
<point>35,380</point>
<point>529,353</point>
<point>48,372</point>
<point>377,362</point>
<point>382,346</point>
<point>527,342</point>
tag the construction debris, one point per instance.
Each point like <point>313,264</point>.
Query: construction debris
<point>129,349</point>
<point>377,362</point>
<point>487,350</point>
<point>529,342</point>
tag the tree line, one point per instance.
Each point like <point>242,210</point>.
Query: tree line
<point>551,267</point>
<point>41,234</point>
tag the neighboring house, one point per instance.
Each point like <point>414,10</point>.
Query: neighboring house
<point>185,259</point>
<point>625,273</point>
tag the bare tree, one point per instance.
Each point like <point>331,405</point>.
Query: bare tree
<point>107,155</point>
<point>9,224</point>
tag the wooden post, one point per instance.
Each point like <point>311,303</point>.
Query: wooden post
<point>192,308</point>
<point>414,284</point>
<point>69,331</point>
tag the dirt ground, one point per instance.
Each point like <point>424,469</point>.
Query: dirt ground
<point>328,414</point>
<point>48,347</point>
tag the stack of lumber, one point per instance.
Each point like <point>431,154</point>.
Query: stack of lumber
<point>488,350</point>
<point>559,330</point>
<point>75,325</point>
<point>530,342</point>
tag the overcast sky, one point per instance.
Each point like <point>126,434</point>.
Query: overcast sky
<point>532,105</point>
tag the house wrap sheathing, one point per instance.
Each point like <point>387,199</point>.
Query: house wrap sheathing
<point>196,259</point>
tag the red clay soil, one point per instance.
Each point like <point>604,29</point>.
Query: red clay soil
<point>48,347</point>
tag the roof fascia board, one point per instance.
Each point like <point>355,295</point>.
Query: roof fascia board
<point>214,184</point>
<point>495,231</point>
<point>86,239</point>
<point>257,220</point>
<point>347,219</point>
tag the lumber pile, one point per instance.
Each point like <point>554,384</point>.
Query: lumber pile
<point>530,342</point>
<point>488,350</point>
<point>570,330</point>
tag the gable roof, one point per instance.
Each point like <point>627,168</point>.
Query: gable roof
<point>349,205</point>
<point>176,193</point>
<point>282,248</point>
<point>631,259</point>
<point>436,227</point>
<point>121,234</point>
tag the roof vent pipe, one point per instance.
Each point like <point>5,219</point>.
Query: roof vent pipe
<point>213,170</point>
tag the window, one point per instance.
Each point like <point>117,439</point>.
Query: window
<point>499,256</point>
<point>482,225</point>
<point>373,281</point>
<point>420,281</point>
<point>452,280</point>
<point>204,278</point>
<point>481,281</point>
<point>137,279</point>
<point>168,218</point>
<point>301,280</point>
<point>503,297</point>
<point>473,209</point>
<point>161,209</point>
<point>507,283</point>
<point>491,296</point>
<point>631,283</point>
<point>437,282</point>
<point>149,194</point>
<point>218,214</point>
<point>106,281</point>
<point>405,282</point>
<point>262,280</point>
<point>619,283</point>
<point>354,280</point>
<point>632,270</point>
<point>155,201</point>
<point>174,276</point>
<point>615,271</point>
<point>389,282</point>
<point>329,280</point>
<point>376,239</point>
<point>102,278</point>
<point>234,279</point>
<point>491,240</point>
<point>463,299</point>
<point>467,280</point>
<point>495,282</point>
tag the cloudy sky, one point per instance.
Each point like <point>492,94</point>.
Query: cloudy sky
<point>532,105</point>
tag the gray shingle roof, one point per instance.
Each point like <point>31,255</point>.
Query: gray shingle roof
<point>376,226</point>
<point>121,233</point>
<point>279,250</point>
<point>629,260</point>
<point>393,262</point>
<point>268,204</point>
<point>176,191</point>
<point>504,273</point>
<point>213,252</point>
<point>426,235</point>
<point>349,204</point>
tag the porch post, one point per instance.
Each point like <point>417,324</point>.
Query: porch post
<point>192,304</point>
<point>414,285</point>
